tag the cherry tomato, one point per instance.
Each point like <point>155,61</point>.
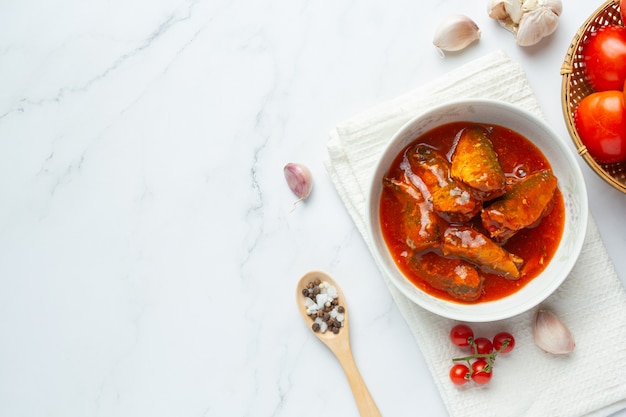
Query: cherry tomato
<point>460,335</point>
<point>604,55</point>
<point>600,120</point>
<point>459,374</point>
<point>479,374</point>
<point>483,345</point>
<point>500,338</point>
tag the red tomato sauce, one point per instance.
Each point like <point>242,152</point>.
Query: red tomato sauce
<point>536,245</point>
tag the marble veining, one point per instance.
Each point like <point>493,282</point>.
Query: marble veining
<point>149,246</point>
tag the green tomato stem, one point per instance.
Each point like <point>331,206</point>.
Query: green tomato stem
<point>490,357</point>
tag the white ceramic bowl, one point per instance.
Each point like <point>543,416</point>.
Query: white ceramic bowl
<point>571,184</point>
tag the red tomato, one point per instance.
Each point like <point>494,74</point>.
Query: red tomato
<point>600,120</point>
<point>604,54</point>
<point>460,335</point>
<point>481,372</point>
<point>459,374</point>
<point>500,338</point>
<point>483,345</point>
<point>622,9</point>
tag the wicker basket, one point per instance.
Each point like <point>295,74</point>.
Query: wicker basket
<point>574,88</point>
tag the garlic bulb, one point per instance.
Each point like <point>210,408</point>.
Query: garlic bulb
<point>536,25</point>
<point>551,334</point>
<point>529,20</point>
<point>455,32</point>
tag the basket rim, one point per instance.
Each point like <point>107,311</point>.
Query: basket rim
<point>566,73</point>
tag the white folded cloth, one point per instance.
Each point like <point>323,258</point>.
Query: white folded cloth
<point>591,381</point>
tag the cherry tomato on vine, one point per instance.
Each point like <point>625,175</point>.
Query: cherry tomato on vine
<point>604,55</point>
<point>479,374</point>
<point>600,120</point>
<point>483,345</point>
<point>499,340</point>
<point>459,374</point>
<point>460,335</point>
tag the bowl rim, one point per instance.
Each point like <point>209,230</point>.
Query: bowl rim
<point>461,311</point>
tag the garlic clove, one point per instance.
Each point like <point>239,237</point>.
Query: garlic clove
<point>556,6</point>
<point>536,25</point>
<point>496,10</point>
<point>551,335</point>
<point>298,179</point>
<point>455,33</point>
<point>530,5</point>
<point>513,10</point>
<point>508,13</point>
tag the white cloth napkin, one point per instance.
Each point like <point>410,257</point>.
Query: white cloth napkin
<point>591,381</point>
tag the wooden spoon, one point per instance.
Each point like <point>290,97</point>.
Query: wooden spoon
<point>339,344</point>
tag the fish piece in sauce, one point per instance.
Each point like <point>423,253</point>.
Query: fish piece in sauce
<point>471,245</point>
<point>522,206</point>
<point>475,162</point>
<point>453,200</point>
<point>421,223</point>
<point>458,278</point>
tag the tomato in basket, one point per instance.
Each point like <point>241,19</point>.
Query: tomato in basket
<point>600,120</point>
<point>604,56</point>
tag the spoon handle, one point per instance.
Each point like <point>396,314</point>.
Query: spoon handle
<point>364,401</point>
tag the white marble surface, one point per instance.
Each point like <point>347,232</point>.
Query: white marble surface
<point>148,251</point>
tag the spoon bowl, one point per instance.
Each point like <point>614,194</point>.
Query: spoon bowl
<point>330,339</point>
<point>338,343</point>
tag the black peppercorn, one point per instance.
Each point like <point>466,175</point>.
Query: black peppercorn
<point>330,308</point>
